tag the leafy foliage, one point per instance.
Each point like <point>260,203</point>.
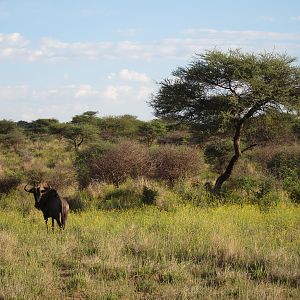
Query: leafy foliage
<point>115,127</point>
<point>41,126</point>
<point>275,127</point>
<point>285,164</point>
<point>218,93</point>
<point>10,134</point>
<point>150,131</point>
<point>217,153</point>
<point>217,89</point>
<point>85,159</point>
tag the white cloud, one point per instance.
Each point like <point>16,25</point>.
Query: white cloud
<point>85,90</point>
<point>115,92</point>
<point>144,93</point>
<point>13,45</point>
<point>111,76</point>
<point>233,35</point>
<point>295,18</point>
<point>128,32</point>
<point>194,40</point>
<point>266,18</point>
<point>12,92</point>
<point>14,38</point>
<point>63,102</point>
<point>125,74</point>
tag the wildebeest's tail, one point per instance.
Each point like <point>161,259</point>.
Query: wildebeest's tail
<point>64,213</point>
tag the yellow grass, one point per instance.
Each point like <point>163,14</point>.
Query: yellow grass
<point>189,253</point>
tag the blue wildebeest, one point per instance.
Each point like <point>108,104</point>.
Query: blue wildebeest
<point>50,203</point>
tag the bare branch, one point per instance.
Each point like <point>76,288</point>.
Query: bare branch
<point>249,147</point>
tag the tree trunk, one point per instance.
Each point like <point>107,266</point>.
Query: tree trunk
<point>77,141</point>
<point>237,154</point>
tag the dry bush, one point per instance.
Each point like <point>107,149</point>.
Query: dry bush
<point>62,176</point>
<point>127,160</point>
<point>173,162</point>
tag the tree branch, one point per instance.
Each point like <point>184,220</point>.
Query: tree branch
<point>232,89</point>
<point>249,147</point>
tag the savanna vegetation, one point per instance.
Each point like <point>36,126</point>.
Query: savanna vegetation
<point>200,203</point>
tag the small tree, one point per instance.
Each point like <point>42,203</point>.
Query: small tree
<point>10,134</point>
<point>41,126</point>
<point>88,117</point>
<point>150,131</point>
<point>220,92</point>
<point>78,133</point>
<point>114,127</point>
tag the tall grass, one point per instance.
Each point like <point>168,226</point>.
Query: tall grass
<point>146,253</point>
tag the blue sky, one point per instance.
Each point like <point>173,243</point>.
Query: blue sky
<point>60,58</point>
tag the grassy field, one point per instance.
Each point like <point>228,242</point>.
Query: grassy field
<point>189,253</point>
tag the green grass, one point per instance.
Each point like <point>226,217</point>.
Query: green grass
<point>187,253</point>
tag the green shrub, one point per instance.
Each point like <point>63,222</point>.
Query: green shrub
<point>285,164</point>
<point>84,160</point>
<point>13,139</point>
<point>295,193</point>
<point>268,200</point>
<point>218,153</point>
<point>82,201</point>
<point>10,134</point>
<point>149,195</point>
<point>257,190</point>
<point>232,196</point>
<point>124,197</point>
<point>167,199</point>
<point>17,200</point>
<point>247,184</point>
<point>9,183</point>
<point>195,193</point>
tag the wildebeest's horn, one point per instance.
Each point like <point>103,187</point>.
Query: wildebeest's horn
<point>26,189</point>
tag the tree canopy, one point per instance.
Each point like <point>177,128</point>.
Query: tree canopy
<point>219,92</point>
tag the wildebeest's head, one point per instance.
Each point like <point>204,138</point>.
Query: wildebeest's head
<point>36,191</point>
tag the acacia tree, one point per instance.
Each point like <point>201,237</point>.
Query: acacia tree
<point>220,92</point>
<point>77,133</point>
<point>150,131</point>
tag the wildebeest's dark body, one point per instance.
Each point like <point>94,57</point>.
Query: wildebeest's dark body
<point>51,205</point>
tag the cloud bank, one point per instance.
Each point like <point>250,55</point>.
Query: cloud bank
<point>124,90</point>
<point>16,46</point>
<point>29,103</point>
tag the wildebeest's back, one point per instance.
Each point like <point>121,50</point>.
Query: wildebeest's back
<point>51,204</point>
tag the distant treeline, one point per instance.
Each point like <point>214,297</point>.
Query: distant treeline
<point>89,127</point>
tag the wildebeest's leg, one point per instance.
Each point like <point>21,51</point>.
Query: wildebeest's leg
<point>52,225</point>
<point>46,222</point>
<point>58,222</point>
